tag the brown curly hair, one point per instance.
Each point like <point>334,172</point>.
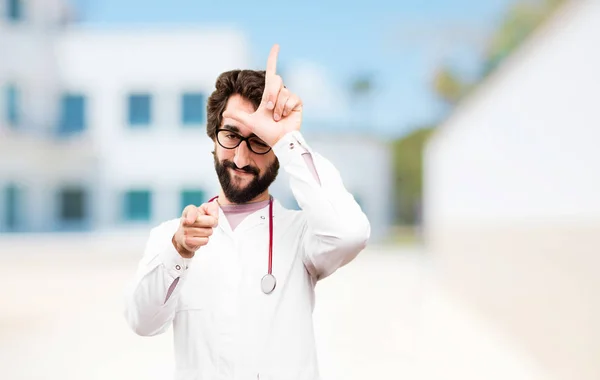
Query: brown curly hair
<point>250,84</point>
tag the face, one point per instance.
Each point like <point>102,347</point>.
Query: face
<point>243,174</point>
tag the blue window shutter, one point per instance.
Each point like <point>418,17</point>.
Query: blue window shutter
<point>137,205</point>
<point>73,205</point>
<point>193,109</point>
<point>73,114</point>
<point>14,11</point>
<point>12,105</point>
<point>140,109</point>
<point>12,202</point>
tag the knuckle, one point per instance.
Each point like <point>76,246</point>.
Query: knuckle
<point>288,107</point>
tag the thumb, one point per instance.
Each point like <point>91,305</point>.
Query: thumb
<point>239,116</point>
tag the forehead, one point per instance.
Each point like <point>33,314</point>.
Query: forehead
<point>238,103</point>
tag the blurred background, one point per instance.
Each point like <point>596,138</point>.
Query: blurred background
<point>468,131</point>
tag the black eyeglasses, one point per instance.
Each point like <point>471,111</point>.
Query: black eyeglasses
<point>231,140</point>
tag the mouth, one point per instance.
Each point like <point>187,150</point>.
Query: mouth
<point>240,172</point>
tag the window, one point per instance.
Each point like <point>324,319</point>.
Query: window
<point>73,118</point>
<point>12,200</point>
<point>192,197</point>
<point>193,109</point>
<point>140,109</point>
<point>137,205</point>
<point>12,105</point>
<point>14,10</point>
<point>72,203</point>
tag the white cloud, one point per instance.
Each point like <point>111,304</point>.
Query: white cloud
<point>322,98</point>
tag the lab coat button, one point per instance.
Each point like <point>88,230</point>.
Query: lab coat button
<point>178,267</point>
<point>292,145</point>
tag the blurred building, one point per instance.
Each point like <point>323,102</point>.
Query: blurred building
<point>105,128</point>
<point>512,197</point>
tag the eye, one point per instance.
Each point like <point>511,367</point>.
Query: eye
<point>260,143</point>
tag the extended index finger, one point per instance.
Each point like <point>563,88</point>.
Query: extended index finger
<point>272,61</point>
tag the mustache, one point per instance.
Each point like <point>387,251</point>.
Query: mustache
<point>247,168</point>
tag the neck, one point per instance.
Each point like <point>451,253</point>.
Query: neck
<point>224,201</point>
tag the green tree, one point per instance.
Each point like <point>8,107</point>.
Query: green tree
<point>408,169</point>
<point>449,86</point>
<point>520,21</point>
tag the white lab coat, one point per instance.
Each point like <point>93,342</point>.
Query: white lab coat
<point>224,326</point>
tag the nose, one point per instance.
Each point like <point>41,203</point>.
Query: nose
<point>242,155</point>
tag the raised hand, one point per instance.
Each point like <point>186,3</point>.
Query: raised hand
<point>280,110</point>
<point>195,227</point>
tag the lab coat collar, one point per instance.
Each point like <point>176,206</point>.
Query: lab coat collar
<point>257,218</point>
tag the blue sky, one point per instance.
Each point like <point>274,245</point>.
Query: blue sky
<point>399,42</point>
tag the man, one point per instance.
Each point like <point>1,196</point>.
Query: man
<point>236,275</point>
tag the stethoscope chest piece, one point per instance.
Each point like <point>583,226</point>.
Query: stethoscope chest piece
<point>268,283</point>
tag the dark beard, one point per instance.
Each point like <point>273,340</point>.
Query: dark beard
<point>256,187</point>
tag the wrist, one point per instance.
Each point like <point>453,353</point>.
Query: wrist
<point>275,140</point>
<point>181,250</point>
<point>281,136</point>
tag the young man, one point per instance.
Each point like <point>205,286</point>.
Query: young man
<point>236,275</point>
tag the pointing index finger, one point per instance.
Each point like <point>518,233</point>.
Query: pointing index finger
<point>272,61</point>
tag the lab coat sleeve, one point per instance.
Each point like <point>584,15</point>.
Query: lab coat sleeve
<point>152,295</point>
<point>336,228</point>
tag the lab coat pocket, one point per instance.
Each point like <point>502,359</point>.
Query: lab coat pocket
<point>197,292</point>
<point>193,297</point>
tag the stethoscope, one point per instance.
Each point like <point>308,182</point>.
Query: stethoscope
<point>268,282</point>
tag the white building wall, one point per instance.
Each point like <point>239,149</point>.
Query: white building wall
<point>512,212</point>
<point>528,140</point>
<point>27,62</point>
